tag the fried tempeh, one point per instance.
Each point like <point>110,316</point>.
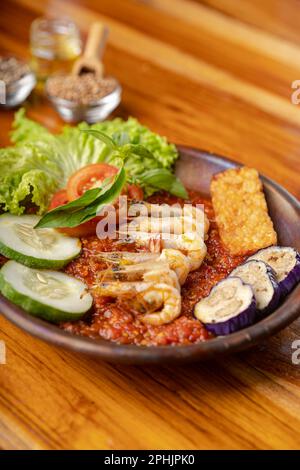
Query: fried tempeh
<point>241,211</point>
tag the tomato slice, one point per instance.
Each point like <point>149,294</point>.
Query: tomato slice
<point>135,192</point>
<point>90,176</point>
<point>87,228</point>
<point>82,230</point>
<point>86,178</point>
<point>59,199</point>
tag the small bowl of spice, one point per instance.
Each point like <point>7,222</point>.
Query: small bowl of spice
<point>17,81</point>
<point>86,97</point>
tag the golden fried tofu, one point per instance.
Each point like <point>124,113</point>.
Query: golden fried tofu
<point>241,211</point>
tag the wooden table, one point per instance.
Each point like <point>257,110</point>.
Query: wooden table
<point>214,74</point>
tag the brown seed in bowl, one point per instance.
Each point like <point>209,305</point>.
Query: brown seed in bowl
<point>12,69</point>
<point>81,89</point>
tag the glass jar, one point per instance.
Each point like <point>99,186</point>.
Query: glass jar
<point>55,45</point>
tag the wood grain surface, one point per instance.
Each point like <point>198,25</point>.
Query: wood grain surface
<point>215,74</point>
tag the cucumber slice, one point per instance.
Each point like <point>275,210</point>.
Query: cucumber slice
<point>36,248</point>
<point>51,295</point>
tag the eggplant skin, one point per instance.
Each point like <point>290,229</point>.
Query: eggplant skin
<point>242,320</point>
<point>268,277</point>
<point>292,278</point>
<point>273,304</point>
<point>229,307</point>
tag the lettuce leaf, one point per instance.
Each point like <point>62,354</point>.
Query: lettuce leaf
<point>144,170</point>
<point>163,152</point>
<point>41,162</point>
<point>26,175</point>
<point>27,130</point>
<point>68,151</point>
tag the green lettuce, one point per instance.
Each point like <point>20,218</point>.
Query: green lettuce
<point>140,165</point>
<point>40,163</point>
<point>68,151</point>
<point>162,151</point>
<point>26,175</point>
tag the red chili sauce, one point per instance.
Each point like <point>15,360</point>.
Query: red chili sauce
<point>113,320</point>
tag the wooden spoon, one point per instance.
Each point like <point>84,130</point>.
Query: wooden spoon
<point>90,61</point>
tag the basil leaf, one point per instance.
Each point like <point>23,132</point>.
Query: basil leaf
<point>161,178</point>
<point>109,197</point>
<point>121,138</point>
<point>136,157</point>
<point>86,199</point>
<point>135,149</point>
<point>86,207</point>
<point>103,137</point>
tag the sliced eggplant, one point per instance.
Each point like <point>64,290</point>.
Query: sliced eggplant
<point>285,261</point>
<point>36,248</point>
<point>230,307</point>
<point>51,295</point>
<point>261,277</point>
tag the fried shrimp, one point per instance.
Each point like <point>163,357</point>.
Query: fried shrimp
<point>148,272</point>
<point>165,276</point>
<point>167,225</point>
<point>123,258</point>
<point>169,298</point>
<point>157,303</point>
<point>174,237</point>
<point>177,261</point>
<point>129,263</point>
<point>190,244</point>
<point>189,212</point>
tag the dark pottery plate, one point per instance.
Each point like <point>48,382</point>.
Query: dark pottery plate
<point>195,168</point>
